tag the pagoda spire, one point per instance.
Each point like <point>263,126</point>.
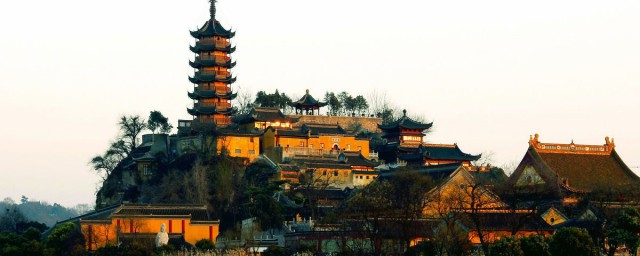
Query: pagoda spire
<point>212,9</point>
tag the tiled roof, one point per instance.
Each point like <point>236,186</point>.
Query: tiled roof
<point>589,172</point>
<point>195,212</point>
<point>262,115</point>
<point>320,129</point>
<point>212,28</point>
<point>308,101</point>
<point>406,123</point>
<point>357,159</point>
<point>436,172</point>
<point>452,152</point>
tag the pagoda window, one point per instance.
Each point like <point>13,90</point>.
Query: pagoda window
<point>321,145</point>
<point>348,146</point>
<point>412,138</point>
<point>302,143</point>
<point>252,152</point>
<point>238,151</point>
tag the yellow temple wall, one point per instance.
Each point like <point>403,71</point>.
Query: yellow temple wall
<point>106,234</point>
<point>293,142</point>
<point>240,146</point>
<point>349,143</point>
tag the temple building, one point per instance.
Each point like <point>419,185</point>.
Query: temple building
<point>139,223</point>
<point>212,79</point>
<point>263,118</point>
<point>314,139</point>
<point>571,170</point>
<point>308,104</point>
<point>405,144</point>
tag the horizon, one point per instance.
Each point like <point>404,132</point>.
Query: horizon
<point>487,74</point>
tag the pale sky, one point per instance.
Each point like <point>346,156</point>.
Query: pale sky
<point>488,73</point>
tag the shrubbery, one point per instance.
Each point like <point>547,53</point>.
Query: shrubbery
<point>565,242</point>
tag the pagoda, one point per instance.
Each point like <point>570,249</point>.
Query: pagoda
<point>212,78</point>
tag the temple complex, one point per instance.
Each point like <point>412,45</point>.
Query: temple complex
<point>212,79</point>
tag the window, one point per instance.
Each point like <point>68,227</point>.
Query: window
<point>359,148</point>
<point>310,145</point>
<point>238,151</point>
<point>367,177</point>
<point>302,143</point>
<point>321,145</point>
<point>252,152</point>
<point>462,186</point>
<point>412,138</point>
<point>335,173</point>
<point>348,146</point>
<point>146,170</point>
<point>552,220</point>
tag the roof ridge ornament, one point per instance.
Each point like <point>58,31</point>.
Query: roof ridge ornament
<point>212,9</point>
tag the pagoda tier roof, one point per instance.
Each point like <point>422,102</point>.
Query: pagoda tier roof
<point>404,123</point>
<point>199,94</point>
<point>259,114</point>
<point>201,78</point>
<point>199,63</point>
<point>212,47</point>
<point>446,152</point>
<point>206,110</point>
<point>212,28</point>
<point>307,101</point>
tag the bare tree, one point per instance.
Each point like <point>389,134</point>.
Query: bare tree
<point>130,128</point>
<point>245,100</point>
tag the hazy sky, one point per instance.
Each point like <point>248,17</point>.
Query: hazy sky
<point>488,73</point>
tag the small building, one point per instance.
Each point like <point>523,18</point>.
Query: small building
<point>141,222</point>
<point>308,105</point>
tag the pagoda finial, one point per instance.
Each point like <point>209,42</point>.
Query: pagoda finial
<point>212,9</point>
<point>307,91</point>
<point>404,112</point>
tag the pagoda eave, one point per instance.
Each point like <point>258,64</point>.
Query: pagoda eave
<point>210,111</point>
<point>205,63</point>
<point>211,94</point>
<point>205,48</point>
<point>208,79</point>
